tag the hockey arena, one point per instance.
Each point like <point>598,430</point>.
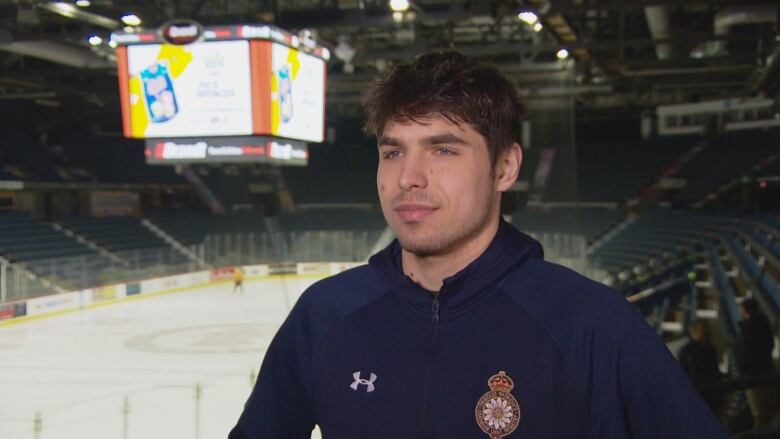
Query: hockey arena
<point>175,174</point>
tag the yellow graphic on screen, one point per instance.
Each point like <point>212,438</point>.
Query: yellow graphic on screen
<point>152,97</point>
<point>281,91</point>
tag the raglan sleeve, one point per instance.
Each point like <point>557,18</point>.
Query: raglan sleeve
<point>658,399</point>
<point>280,405</point>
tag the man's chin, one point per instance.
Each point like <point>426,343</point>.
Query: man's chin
<point>421,246</point>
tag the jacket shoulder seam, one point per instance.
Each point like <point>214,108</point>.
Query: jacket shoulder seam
<point>569,362</point>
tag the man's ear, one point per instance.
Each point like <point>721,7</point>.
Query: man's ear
<point>508,167</point>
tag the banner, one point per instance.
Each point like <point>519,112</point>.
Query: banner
<point>222,273</point>
<point>57,302</point>
<point>256,270</point>
<point>101,294</point>
<point>132,289</point>
<point>314,268</point>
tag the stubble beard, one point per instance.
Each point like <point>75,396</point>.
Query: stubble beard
<point>429,240</point>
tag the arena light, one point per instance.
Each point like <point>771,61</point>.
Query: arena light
<point>562,54</point>
<point>112,44</point>
<point>131,20</point>
<point>70,10</point>
<point>399,5</point>
<point>528,18</point>
<point>344,51</point>
<point>94,40</point>
<point>538,27</point>
<point>83,3</point>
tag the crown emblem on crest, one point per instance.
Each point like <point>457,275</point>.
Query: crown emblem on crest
<point>500,382</point>
<point>497,412</point>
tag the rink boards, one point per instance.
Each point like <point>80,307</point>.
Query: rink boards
<point>24,310</point>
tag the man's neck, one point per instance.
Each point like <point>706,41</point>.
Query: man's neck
<point>430,271</point>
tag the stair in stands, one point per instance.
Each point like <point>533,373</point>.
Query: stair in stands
<point>173,242</point>
<point>68,232</point>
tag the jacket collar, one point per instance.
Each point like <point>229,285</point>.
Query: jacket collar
<point>508,250</point>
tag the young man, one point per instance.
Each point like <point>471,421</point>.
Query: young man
<point>459,328</point>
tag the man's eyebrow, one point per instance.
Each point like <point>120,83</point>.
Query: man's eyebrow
<point>387,141</point>
<point>436,139</point>
<point>447,138</point>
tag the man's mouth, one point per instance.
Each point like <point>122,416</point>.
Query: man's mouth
<point>414,212</point>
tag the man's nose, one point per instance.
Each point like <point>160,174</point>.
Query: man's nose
<point>412,175</point>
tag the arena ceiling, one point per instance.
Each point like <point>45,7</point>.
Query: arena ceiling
<point>623,53</point>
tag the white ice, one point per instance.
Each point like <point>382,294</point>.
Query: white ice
<point>77,370</point>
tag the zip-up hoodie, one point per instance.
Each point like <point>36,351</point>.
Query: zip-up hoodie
<point>511,346</point>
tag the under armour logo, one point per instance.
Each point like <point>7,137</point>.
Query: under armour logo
<point>369,383</point>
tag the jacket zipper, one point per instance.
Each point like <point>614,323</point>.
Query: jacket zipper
<point>429,368</point>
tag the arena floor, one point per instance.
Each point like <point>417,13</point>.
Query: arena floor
<point>130,370</point>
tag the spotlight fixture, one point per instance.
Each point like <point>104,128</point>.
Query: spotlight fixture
<point>538,27</point>
<point>528,18</point>
<point>72,11</point>
<point>94,40</point>
<point>83,3</point>
<point>399,5</point>
<point>562,54</point>
<point>131,20</point>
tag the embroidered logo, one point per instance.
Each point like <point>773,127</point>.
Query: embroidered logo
<point>369,383</point>
<point>498,412</point>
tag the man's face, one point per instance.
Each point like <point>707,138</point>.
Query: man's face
<point>435,184</point>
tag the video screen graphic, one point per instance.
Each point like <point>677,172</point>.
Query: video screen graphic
<point>297,94</point>
<point>196,90</point>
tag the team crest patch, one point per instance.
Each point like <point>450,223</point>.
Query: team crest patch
<point>498,412</point>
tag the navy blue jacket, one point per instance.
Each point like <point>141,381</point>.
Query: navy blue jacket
<point>370,354</point>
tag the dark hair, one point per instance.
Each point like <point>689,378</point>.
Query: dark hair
<point>751,307</point>
<point>458,88</point>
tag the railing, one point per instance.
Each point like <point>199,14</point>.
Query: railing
<point>48,276</point>
<point>566,249</point>
<point>304,246</point>
<point>41,277</point>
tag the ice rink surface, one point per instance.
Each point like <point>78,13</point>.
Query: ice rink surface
<point>130,370</point>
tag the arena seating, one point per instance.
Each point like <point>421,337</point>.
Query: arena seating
<point>660,234</point>
<point>727,297</point>
<point>127,238</point>
<point>23,238</point>
<point>615,172</point>
<point>334,219</point>
<point>7,175</point>
<point>604,174</point>
<point>340,175</point>
<point>588,221</point>
<point>769,169</point>
<point>47,252</point>
<point>192,229</point>
<point>769,289</point>
<point>724,158</point>
<point>115,233</point>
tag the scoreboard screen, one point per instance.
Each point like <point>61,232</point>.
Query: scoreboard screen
<point>187,82</point>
